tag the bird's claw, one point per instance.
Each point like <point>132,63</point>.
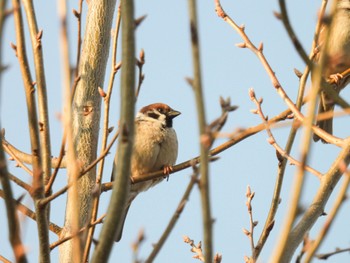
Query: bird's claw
<point>167,169</point>
<point>336,78</point>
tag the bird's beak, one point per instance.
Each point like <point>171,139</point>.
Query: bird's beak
<point>173,113</point>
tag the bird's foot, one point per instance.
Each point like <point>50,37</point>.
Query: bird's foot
<point>336,78</point>
<point>167,169</point>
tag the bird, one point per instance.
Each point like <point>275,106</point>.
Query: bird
<point>338,54</point>
<point>155,148</point>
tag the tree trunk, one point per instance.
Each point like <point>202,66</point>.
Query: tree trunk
<point>85,122</point>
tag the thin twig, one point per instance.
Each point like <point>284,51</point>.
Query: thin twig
<point>38,186</point>
<point>136,245</point>
<point>325,256</point>
<point>78,15</point>
<point>82,173</point>
<point>66,82</point>
<point>140,62</point>
<point>157,247</point>
<point>252,224</point>
<point>31,214</point>
<point>272,140</point>
<point>3,15</point>
<point>20,183</point>
<point>64,44</point>
<point>43,112</point>
<point>197,249</point>
<point>49,185</point>
<point>82,230</point>
<point>27,158</point>
<point>4,260</point>
<point>12,217</point>
<point>258,51</point>
<point>19,162</point>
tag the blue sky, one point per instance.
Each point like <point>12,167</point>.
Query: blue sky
<point>227,71</point>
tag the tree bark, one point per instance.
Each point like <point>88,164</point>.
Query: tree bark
<point>85,122</point>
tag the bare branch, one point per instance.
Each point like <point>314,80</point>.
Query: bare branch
<point>311,250</point>
<point>12,217</point>
<point>203,133</point>
<point>122,183</point>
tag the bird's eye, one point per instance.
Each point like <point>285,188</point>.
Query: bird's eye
<point>160,110</point>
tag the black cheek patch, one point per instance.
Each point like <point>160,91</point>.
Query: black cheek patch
<point>153,115</point>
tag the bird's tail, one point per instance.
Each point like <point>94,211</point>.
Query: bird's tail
<point>130,197</point>
<point>119,233</point>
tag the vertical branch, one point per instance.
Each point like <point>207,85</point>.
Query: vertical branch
<point>64,43</point>
<point>3,4</point>
<point>12,218</point>
<point>38,186</point>
<point>78,16</point>
<point>73,169</point>
<point>86,117</point>
<point>312,214</point>
<point>292,35</point>
<point>122,179</point>
<point>66,70</point>
<point>204,179</point>
<point>35,36</point>
<point>105,131</point>
<point>66,80</point>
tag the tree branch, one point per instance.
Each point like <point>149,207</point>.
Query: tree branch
<point>86,112</point>
<point>105,133</point>
<point>126,138</point>
<point>38,183</point>
<point>204,183</point>
<point>44,134</point>
<point>330,179</point>
<point>12,217</point>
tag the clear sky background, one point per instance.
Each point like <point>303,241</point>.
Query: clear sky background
<point>227,71</point>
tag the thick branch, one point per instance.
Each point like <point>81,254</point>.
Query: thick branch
<point>315,210</point>
<point>341,197</point>
<point>126,139</point>
<point>27,158</point>
<point>105,134</point>
<point>86,117</point>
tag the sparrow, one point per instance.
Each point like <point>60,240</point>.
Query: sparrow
<point>338,54</point>
<point>155,148</point>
